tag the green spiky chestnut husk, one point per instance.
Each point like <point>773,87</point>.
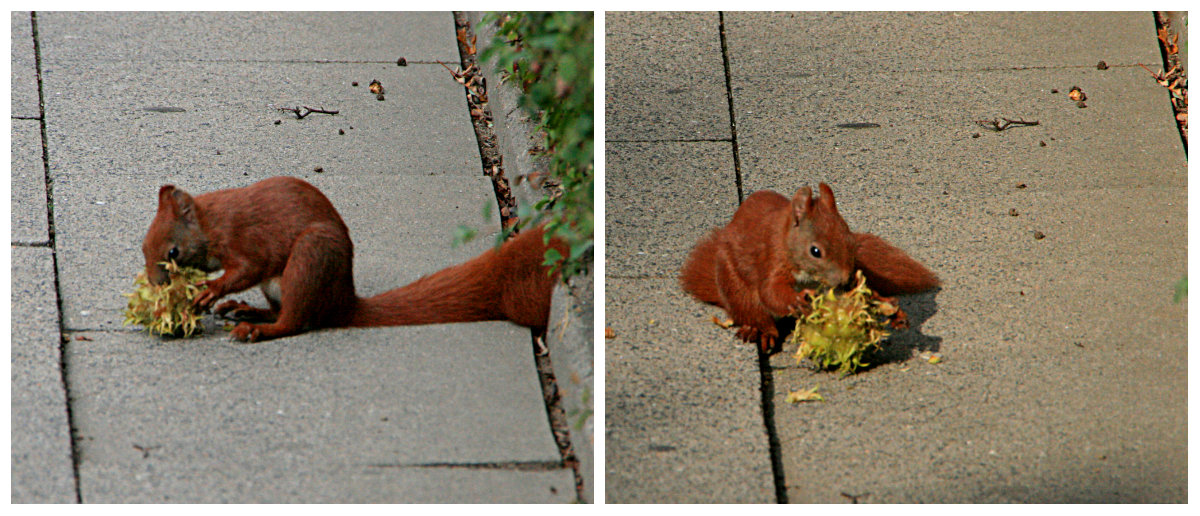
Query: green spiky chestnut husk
<point>841,327</point>
<point>167,309</point>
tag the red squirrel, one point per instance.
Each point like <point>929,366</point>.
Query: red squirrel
<point>284,235</point>
<point>759,265</point>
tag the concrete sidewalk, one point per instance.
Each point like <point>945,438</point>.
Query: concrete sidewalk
<point>1065,360</point>
<point>449,413</point>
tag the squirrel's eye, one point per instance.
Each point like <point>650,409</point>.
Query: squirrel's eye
<point>173,253</point>
<point>814,251</point>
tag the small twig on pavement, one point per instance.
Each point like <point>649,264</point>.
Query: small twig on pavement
<point>301,113</point>
<point>854,498</point>
<point>997,126</point>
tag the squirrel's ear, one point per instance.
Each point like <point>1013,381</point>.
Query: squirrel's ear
<point>801,204</point>
<point>826,198</point>
<point>178,201</point>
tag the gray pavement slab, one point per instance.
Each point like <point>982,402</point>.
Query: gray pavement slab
<point>1054,386</point>
<point>101,221</point>
<point>569,337</point>
<point>309,415</point>
<point>249,36</point>
<point>28,184</point>
<point>24,66</point>
<point>862,43</point>
<point>660,198</point>
<point>101,118</point>
<point>683,412</point>
<point>927,140</point>
<point>42,470</point>
<point>672,83</point>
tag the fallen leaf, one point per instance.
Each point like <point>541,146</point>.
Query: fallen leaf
<point>83,337</point>
<point>376,87</point>
<point>609,333</point>
<point>935,359</point>
<point>724,324</point>
<point>1077,94</point>
<point>801,396</point>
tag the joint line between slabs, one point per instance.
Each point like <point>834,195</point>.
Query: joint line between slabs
<point>52,244</point>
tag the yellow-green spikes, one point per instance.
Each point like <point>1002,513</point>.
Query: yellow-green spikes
<point>167,309</point>
<point>841,327</point>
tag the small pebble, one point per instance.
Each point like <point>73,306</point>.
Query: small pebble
<point>318,170</point>
<point>379,97</point>
<point>355,84</point>
<point>1012,212</point>
<point>1038,235</point>
<point>1101,65</point>
<point>277,122</point>
<point>1042,143</point>
<point>976,135</point>
<point>402,62</point>
<point>340,131</point>
<point>1081,104</point>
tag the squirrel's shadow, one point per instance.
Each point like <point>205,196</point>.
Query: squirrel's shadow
<point>901,345</point>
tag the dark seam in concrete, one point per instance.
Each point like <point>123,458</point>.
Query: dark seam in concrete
<point>30,244</point>
<point>18,117</point>
<point>62,347</point>
<point>737,160</point>
<point>766,381</point>
<point>768,407</point>
<point>672,140</point>
<point>493,161</point>
<point>1161,22</point>
<point>515,466</point>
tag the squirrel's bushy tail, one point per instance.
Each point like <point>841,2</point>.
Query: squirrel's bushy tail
<point>889,270</point>
<point>505,283</point>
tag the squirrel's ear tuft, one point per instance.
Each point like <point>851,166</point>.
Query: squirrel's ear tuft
<point>179,202</point>
<point>802,204</point>
<point>827,201</point>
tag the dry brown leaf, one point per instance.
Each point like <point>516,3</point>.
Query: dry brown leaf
<point>723,324</point>
<point>609,333</point>
<point>376,87</point>
<point>1077,94</point>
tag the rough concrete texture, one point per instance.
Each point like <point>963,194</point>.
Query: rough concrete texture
<point>672,80</point>
<point>661,198</point>
<point>42,471</point>
<point>570,341</point>
<point>340,403</point>
<point>28,193</point>
<point>444,413</point>
<point>683,417</point>
<point>1064,363</point>
<point>100,118</point>
<point>24,67</point>
<point>250,36</point>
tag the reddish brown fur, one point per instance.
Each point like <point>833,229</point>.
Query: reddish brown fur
<point>750,267</point>
<point>284,229</point>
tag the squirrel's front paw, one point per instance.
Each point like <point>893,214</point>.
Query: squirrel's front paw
<point>245,332</point>
<point>206,298</point>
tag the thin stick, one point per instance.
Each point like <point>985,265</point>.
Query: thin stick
<point>308,111</point>
<point>995,124</point>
